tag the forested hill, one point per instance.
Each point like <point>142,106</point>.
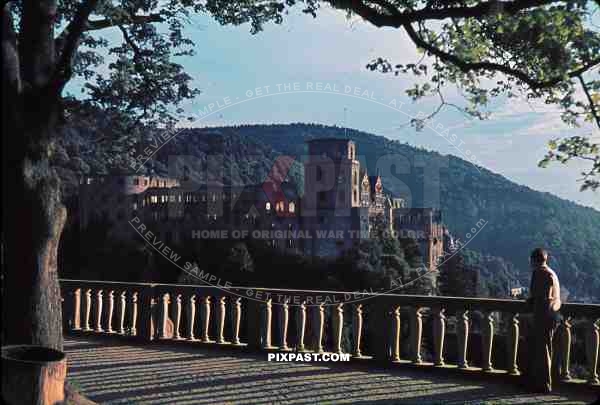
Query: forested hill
<point>517,218</point>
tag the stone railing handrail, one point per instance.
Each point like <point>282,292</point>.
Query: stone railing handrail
<point>194,313</point>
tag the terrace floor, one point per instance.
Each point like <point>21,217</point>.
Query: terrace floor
<point>119,372</point>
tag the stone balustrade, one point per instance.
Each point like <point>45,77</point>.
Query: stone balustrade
<point>365,325</point>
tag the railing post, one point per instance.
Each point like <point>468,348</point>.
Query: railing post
<point>267,319</point>
<point>301,326</point>
<point>122,305</point>
<point>592,348</point>
<point>111,309</point>
<point>439,331</point>
<point>191,318</point>
<point>513,345</point>
<point>236,318</point>
<point>357,326</point>
<point>99,311</point>
<point>565,349</point>
<point>319,322</point>
<point>177,318</point>
<point>206,320</point>
<point>462,330</point>
<point>395,335</point>
<point>283,325</point>
<point>77,309</point>
<point>164,316</point>
<point>88,310</point>
<point>416,333</point>
<point>338,326</point>
<point>221,323</point>
<point>487,334</point>
<point>134,313</point>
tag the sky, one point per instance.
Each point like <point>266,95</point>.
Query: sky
<point>231,64</point>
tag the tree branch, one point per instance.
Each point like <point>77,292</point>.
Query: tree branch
<point>63,71</point>
<point>396,18</point>
<point>593,109</point>
<point>93,25</point>
<point>491,66</point>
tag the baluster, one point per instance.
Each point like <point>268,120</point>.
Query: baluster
<point>221,323</point>
<point>122,305</point>
<point>463,338</point>
<point>416,335</point>
<point>134,311</point>
<point>77,309</point>
<point>357,329</point>
<point>206,320</point>
<point>266,324</point>
<point>236,320</point>
<point>319,318</point>
<point>395,335</point>
<point>592,348</point>
<point>301,326</point>
<point>177,318</point>
<point>191,317</point>
<point>439,331</point>
<point>513,345</point>
<point>283,324</point>
<point>338,326</point>
<point>99,311</point>
<point>565,349</point>
<point>488,341</point>
<point>164,314</point>
<point>88,310</point>
<point>111,309</point>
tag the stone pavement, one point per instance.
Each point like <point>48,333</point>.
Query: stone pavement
<point>115,372</point>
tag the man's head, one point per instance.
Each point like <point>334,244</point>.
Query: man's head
<point>538,257</point>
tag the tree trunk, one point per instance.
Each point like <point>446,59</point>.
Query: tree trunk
<point>33,219</point>
<point>32,214</point>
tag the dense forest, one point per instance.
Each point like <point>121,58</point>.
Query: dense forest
<point>516,218</point>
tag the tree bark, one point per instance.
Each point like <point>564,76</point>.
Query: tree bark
<point>33,216</point>
<point>33,221</point>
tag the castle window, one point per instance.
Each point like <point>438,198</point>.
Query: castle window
<point>203,198</point>
<point>134,206</point>
<point>145,182</point>
<point>89,180</point>
<point>136,181</point>
<point>279,206</point>
<point>268,206</point>
<point>172,198</point>
<point>214,197</point>
<point>292,207</point>
<point>153,199</point>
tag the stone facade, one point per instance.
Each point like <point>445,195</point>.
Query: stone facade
<point>340,205</point>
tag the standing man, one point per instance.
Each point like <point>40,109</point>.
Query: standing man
<point>544,299</point>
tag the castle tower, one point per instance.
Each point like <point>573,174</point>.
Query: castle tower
<point>331,175</point>
<point>332,200</point>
